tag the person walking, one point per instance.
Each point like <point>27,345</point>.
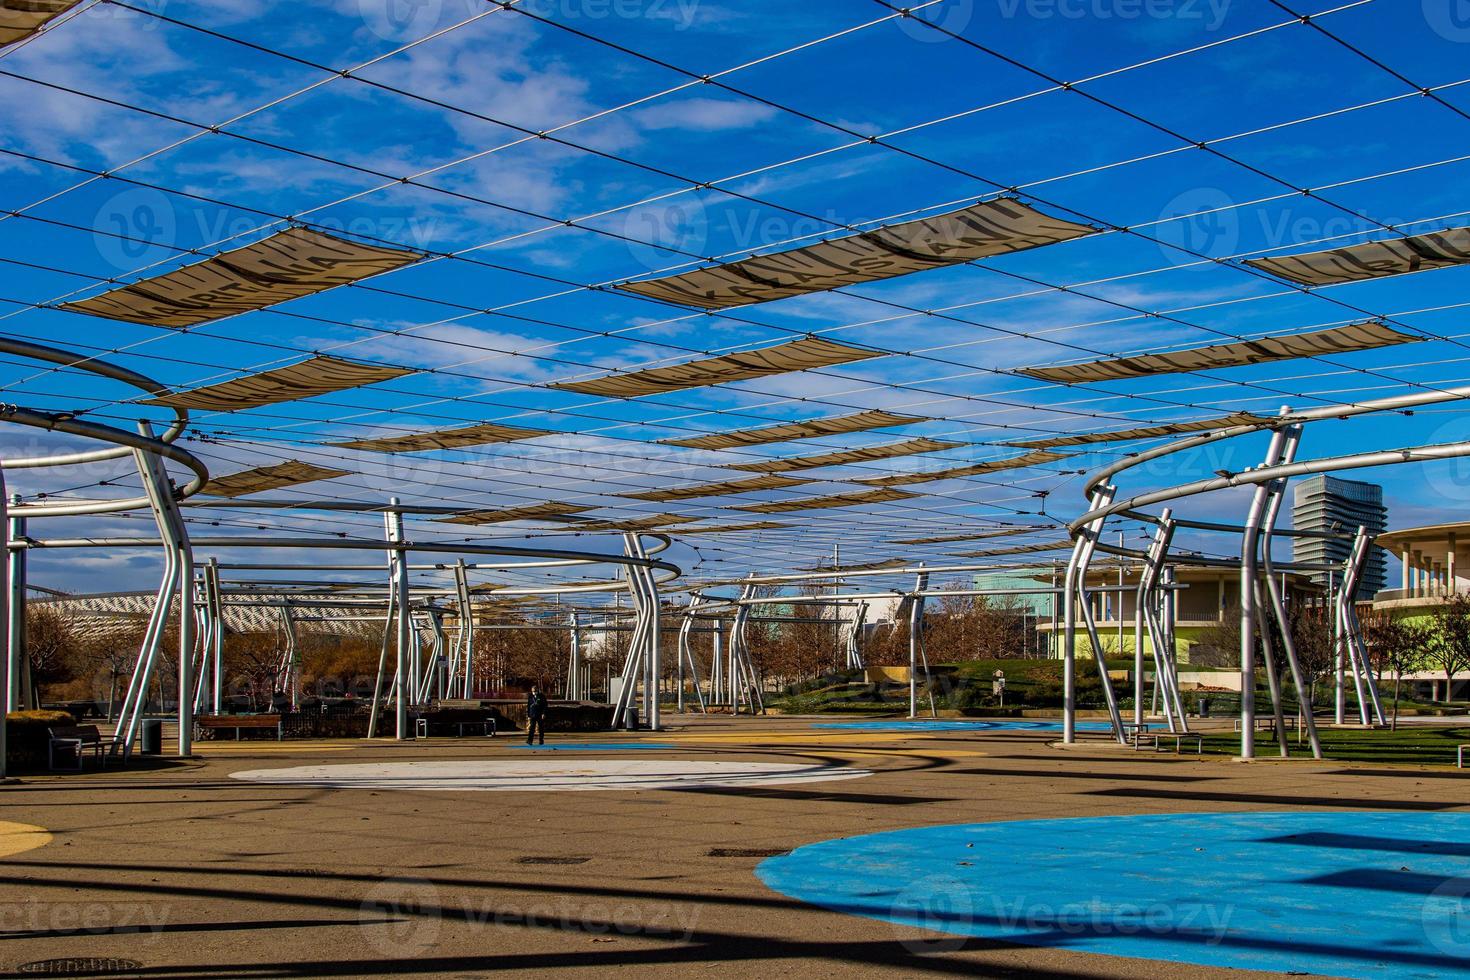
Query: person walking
<point>535,715</point>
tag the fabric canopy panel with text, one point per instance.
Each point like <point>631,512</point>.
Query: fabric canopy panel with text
<point>549,510</point>
<point>790,431</point>
<point>724,488</point>
<point>1145,432</point>
<point>836,500</point>
<point>21,18</point>
<point>976,232</point>
<point>910,447</point>
<point>1371,260</point>
<point>287,265</point>
<point>287,474</point>
<point>1014,463</point>
<point>1006,532</point>
<point>799,355</point>
<point>473,435</point>
<point>320,375</point>
<point>1336,340</point>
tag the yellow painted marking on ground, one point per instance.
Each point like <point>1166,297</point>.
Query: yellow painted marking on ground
<point>246,748</point>
<point>16,838</point>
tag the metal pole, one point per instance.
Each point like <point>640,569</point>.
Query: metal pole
<point>398,562</point>
<point>1249,617</point>
<point>15,639</point>
<point>5,621</point>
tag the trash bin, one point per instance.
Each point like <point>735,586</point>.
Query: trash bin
<point>630,719</point>
<point>150,738</point>
<point>1204,707</point>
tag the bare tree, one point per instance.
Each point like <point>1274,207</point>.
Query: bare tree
<point>1449,646</point>
<point>1397,647</point>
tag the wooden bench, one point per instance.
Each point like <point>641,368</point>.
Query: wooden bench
<point>76,738</point>
<point>1178,737</point>
<point>486,726</point>
<point>1134,730</point>
<point>207,723</point>
<point>1267,723</point>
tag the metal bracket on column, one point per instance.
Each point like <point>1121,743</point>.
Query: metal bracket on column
<point>1277,599</point>
<point>855,636</point>
<point>916,645</point>
<point>1152,598</point>
<point>462,681</point>
<point>1078,597</point>
<point>178,579</point>
<point>1352,630</point>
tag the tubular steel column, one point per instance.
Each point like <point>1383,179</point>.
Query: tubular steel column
<point>1087,540</point>
<point>15,639</point>
<point>1250,619</point>
<point>398,563</point>
<point>4,616</point>
<point>175,536</point>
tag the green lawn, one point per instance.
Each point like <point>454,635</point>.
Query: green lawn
<point>1416,745</point>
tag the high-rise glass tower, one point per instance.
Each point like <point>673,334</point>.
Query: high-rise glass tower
<point>1326,503</point>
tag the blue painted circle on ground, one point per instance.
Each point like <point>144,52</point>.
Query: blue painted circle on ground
<point>937,725</point>
<point>588,746</point>
<point>1357,894</point>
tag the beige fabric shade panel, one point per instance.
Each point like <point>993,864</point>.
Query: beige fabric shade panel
<point>725,528</point>
<point>287,474</point>
<point>1035,458</point>
<point>976,232</point>
<point>320,375</point>
<point>1144,432</point>
<point>789,431</point>
<point>724,488</point>
<point>1371,260</point>
<point>473,435</point>
<point>911,447</point>
<point>287,265</point>
<point>798,355</point>
<point>19,19</point>
<point>549,510</point>
<point>1335,340</point>
<point>1020,549</point>
<point>632,523</point>
<point>836,500</point>
<point>1005,532</point>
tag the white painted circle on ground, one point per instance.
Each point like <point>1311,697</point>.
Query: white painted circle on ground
<point>543,775</point>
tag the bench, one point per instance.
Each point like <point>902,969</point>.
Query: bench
<point>1267,723</point>
<point>1178,737</point>
<point>486,726</point>
<point>1461,763</point>
<point>1133,730</point>
<point>209,723</point>
<point>76,738</point>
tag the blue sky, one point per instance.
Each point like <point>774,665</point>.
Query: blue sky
<point>461,91</point>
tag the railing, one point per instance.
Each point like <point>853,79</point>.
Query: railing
<point>1423,592</point>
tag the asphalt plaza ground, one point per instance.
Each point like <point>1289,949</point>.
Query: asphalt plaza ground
<point>189,870</point>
